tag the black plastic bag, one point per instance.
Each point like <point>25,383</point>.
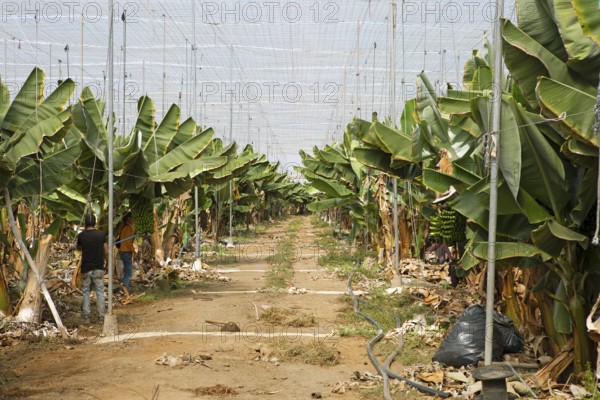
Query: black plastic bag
<point>513,340</point>
<point>465,344</point>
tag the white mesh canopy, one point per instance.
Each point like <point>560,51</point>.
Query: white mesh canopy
<point>294,67</point>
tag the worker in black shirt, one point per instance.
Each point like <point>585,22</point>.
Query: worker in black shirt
<point>94,249</point>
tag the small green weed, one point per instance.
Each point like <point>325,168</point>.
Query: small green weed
<point>281,272</point>
<point>319,223</point>
<point>313,352</point>
<point>590,382</point>
<point>384,309</point>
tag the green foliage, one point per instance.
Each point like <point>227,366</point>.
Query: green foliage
<point>548,167</point>
<point>590,383</point>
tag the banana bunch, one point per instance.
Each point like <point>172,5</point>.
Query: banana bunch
<point>448,225</point>
<point>236,192</point>
<point>142,210</point>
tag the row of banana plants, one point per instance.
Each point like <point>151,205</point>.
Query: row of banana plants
<point>547,153</point>
<point>54,168</point>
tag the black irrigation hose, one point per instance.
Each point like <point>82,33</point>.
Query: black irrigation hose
<point>378,367</point>
<point>384,370</point>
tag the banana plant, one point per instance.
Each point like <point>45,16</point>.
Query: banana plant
<point>32,128</point>
<point>548,166</point>
<point>564,61</point>
<point>548,162</point>
<point>236,165</point>
<point>32,163</point>
<point>402,152</point>
<point>346,184</point>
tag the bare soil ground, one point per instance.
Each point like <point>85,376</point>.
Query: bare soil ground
<point>123,367</point>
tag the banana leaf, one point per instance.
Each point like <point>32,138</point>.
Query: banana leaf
<point>512,253</point>
<point>25,102</point>
<point>536,19</point>
<point>551,237</point>
<point>157,145</point>
<point>324,205</point>
<point>576,106</point>
<point>528,64</point>
<point>186,151</point>
<point>589,18</point>
<point>55,172</point>
<point>146,119</point>
<point>584,53</point>
<point>95,135</point>
<point>186,131</point>
<point>330,188</point>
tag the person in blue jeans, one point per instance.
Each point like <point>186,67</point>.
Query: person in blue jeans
<point>126,233</point>
<point>94,250</point>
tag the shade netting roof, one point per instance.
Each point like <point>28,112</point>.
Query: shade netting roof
<point>289,74</point>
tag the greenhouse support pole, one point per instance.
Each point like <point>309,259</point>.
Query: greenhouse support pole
<point>81,51</point>
<point>358,113</point>
<point>110,320</point>
<point>124,19</point>
<point>230,240</point>
<point>6,59</point>
<point>164,73</point>
<point>393,118</point>
<point>494,154</point>
<point>248,141</point>
<point>68,63</point>
<point>188,106</point>
<point>396,233</point>
<point>198,263</point>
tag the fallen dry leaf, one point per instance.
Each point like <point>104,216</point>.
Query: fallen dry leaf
<point>578,391</point>
<point>436,377</point>
<point>457,376</point>
<point>431,299</point>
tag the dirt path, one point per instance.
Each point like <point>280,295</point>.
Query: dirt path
<point>124,367</point>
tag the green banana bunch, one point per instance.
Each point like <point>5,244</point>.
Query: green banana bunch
<point>448,225</point>
<point>142,210</point>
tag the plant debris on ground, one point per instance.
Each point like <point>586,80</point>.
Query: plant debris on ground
<point>288,317</point>
<point>216,390</point>
<point>313,351</point>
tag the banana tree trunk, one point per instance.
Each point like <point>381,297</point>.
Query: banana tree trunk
<point>512,305</point>
<point>31,301</point>
<point>5,306</point>
<point>215,225</point>
<point>544,303</point>
<point>581,349</point>
<point>404,232</point>
<point>40,278</point>
<point>156,240</point>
